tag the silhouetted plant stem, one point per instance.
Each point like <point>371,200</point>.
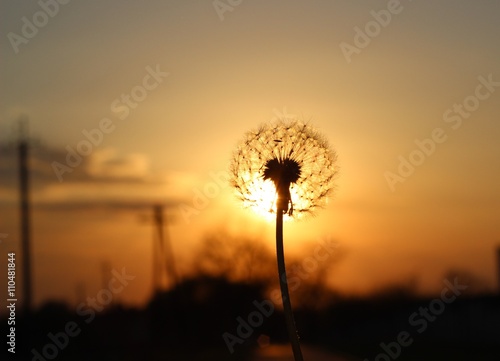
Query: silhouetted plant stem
<point>285,296</point>
<point>301,165</point>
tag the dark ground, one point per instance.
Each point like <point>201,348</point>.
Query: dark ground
<point>189,322</point>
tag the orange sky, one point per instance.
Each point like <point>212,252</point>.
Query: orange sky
<point>179,87</point>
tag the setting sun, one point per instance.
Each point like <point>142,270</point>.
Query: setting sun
<point>263,198</point>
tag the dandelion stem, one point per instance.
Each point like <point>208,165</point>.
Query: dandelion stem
<point>285,296</point>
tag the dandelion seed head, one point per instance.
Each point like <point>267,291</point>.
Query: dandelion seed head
<point>280,162</point>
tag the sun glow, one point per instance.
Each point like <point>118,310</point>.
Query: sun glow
<point>286,161</point>
<point>262,197</point>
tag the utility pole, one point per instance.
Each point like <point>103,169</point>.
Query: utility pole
<point>23,151</point>
<point>163,256</point>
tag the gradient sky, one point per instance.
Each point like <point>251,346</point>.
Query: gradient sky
<point>227,76</point>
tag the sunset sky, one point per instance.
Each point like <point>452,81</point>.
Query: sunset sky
<point>174,85</point>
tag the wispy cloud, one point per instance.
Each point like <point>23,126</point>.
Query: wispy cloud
<point>107,178</point>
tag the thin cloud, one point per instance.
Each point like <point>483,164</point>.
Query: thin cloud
<point>104,179</point>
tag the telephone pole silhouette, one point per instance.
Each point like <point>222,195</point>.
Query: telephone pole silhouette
<point>163,257</point>
<point>23,153</point>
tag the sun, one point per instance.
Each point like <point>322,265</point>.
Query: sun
<point>263,197</point>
